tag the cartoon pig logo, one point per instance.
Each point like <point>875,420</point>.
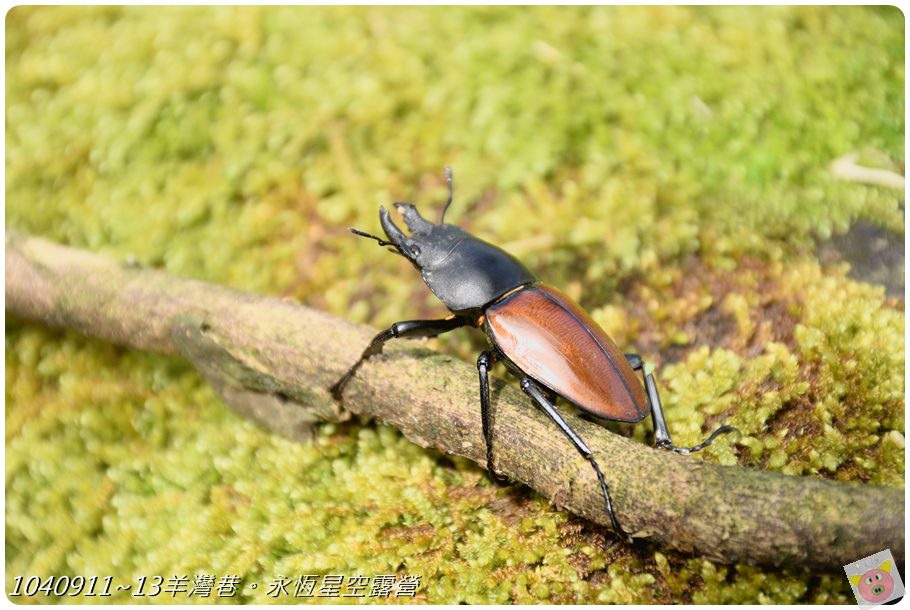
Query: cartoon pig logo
<point>876,585</point>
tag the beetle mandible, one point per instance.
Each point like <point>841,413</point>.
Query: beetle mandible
<point>539,333</point>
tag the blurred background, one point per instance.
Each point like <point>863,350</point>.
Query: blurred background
<point>674,169</point>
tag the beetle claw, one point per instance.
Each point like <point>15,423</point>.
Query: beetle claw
<point>680,450</point>
<point>687,450</point>
<point>416,223</point>
<point>395,235</point>
<point>499,478</point>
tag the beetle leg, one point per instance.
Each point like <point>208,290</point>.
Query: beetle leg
<point>662,438</point>
<point>531,389</point>
<point>635,362</point>
<point>410,329</point>
<point>484,362</point>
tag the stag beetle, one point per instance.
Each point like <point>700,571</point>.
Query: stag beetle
<point>539,333</point>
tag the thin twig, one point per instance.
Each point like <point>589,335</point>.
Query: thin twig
<point>846,168</point>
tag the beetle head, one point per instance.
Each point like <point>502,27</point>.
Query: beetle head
<point>428,245</point>
<point>465,272</point>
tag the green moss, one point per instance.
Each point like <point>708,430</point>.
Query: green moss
<point>669,167</point>
<point>824,404</point>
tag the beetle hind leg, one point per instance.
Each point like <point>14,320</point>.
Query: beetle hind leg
<point>662,438</point>
<point>531,389</point>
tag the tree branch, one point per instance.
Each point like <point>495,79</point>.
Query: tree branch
<point>273,361</point>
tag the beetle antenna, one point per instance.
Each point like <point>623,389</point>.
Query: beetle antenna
<point>381,241</point>
<point>448,174</point>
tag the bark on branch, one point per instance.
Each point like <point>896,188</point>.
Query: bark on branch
<point>273,360</point>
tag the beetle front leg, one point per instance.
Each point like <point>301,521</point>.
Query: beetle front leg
<point>662,438</point>
<point>484,362</point>
<point>531,389</point>
<point>410,329</point>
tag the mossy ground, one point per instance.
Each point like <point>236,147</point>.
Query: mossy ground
<point>668,167</point>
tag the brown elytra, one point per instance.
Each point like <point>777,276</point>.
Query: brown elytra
<point>551,338</point>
